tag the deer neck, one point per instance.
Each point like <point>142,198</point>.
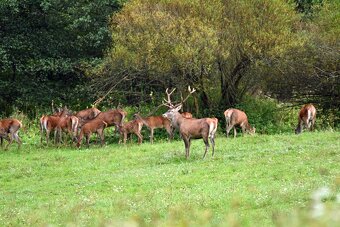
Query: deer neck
<point>177,120</point>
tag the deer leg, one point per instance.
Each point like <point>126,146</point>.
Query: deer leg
<point>228,130</point>
<point>125,137</point>
<point>235,132</point>
<point>243,130</point>
<point>140,137</point>
<point>1,141</point>
<point>55,136</point>
<point>87,136</point>
<point>313,123</point>
<point>187,146</point>
<point>206,142</point>
<point>17,139</point>
<point>47,136</point>
<point>41,134</point>
<point>151,135</point>
<point>9,139</point>
<point>212,141</point>
<point>101,134</point>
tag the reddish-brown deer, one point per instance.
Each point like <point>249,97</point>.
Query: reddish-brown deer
<point>113,117</point>
<point>235,117</point>
<point>68,124</point>
<point>134,126</point>
<point>154,122</point>
<point>96,125</point>
<point>307,116</point>
<point>186,114</point>
<point>86,115</point>
<point>191,128</point>
<point>9,129</point>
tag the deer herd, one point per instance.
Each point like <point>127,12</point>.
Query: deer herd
<point>84,123</point>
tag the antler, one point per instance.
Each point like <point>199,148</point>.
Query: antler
<point>168,102</point>
<point>190,92</point>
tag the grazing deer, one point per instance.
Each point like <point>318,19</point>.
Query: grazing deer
<point>96,125</point>
<point>50,123</point>
<point>307,116</point>
<point>87,115</point>
<point>8,130</point>
<point>235,117</point>
<point>154,122</point>
<point>191,128</point>
<point>134,126</point>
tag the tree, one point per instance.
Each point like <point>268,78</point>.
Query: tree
<point>211,45</point>
<point>45,45</point>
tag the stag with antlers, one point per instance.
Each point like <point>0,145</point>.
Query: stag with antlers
<point>191,128</point>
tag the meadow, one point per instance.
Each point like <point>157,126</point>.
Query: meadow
<point>260,180</point>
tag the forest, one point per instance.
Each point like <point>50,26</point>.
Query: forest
<point>251,54</point>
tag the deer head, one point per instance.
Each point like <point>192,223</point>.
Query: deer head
<point>174,108</point>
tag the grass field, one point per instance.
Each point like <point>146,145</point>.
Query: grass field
<point>263,180</point>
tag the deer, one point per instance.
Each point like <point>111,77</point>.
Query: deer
<point>154,122</point>
<point>86,115</point>
<point>113,117</point>
<point>9,129</point>
<point>96,125</point>
<point>69,124</point>
<point>186,114</point>
<point>134,126</point>
<point>235,117</point>
<point>191,128</point>
<point>49,123</point>
<point>306,117</point>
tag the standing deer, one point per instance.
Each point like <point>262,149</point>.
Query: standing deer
<point>8,130</point>
<point>134,126</point>
<point>307,116</point>
<point>154,122</point>
<point>96,125</point>
<point>113,117</point>
<point>87,115</point>
<point>50,123</point>
<point>191,128</point>
<point>69,124</point>
<point>235,117</point>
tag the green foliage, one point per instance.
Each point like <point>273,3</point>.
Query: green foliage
<point>210,45</point>
<point>45,47</point>
<point>252,181</point>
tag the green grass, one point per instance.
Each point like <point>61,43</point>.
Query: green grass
<point>251,181</point>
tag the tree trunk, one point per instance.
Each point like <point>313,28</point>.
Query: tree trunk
<point>230,82</point>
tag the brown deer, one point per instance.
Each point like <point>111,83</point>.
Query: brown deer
<point>186,114</point>
<point>113,117</point>
<point>191,128</point>
<point>87,115</point>
<point>69,124</point>
<point>50,123</point>
<point>96,125</point>
<point>154,122</point>
<point>8,130</point>
<point>235,117</point>
<point>134,126</point>
<point>307,116</point>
